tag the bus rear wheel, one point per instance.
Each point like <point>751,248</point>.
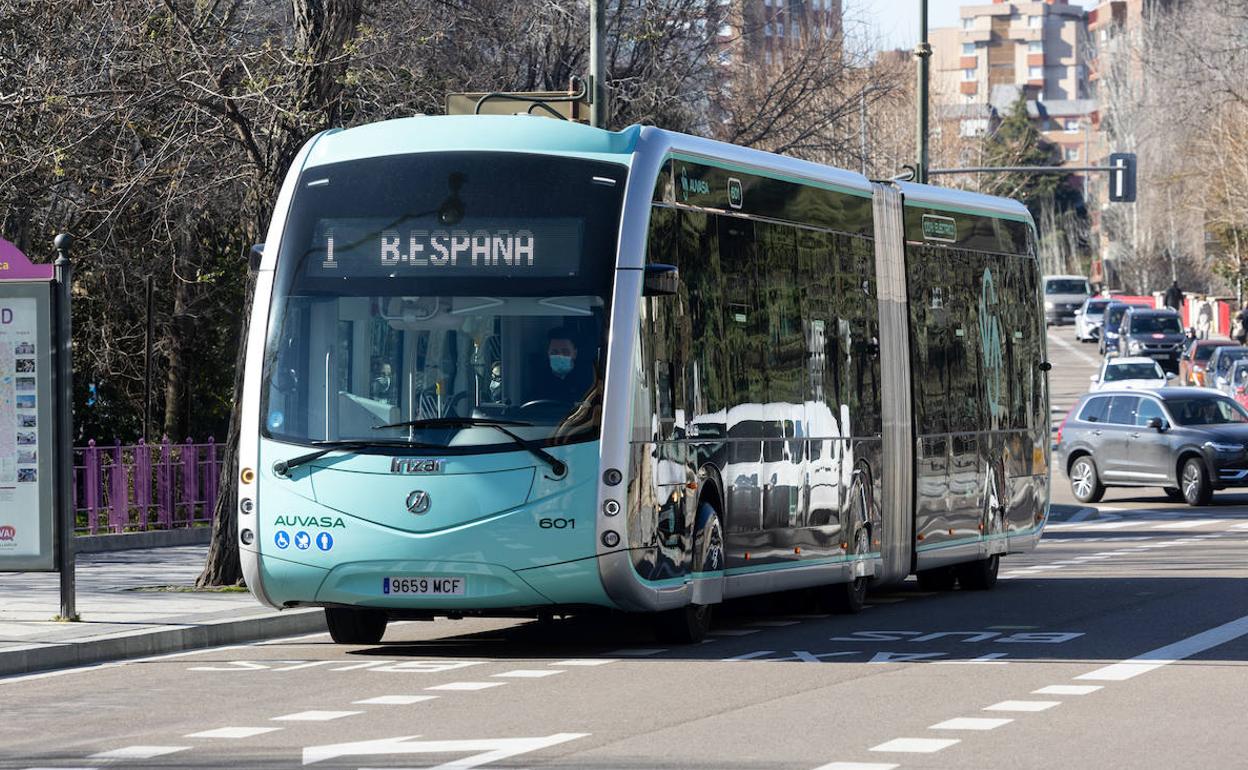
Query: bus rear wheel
<point>980,575</point>
<point>849,598</point>
<point>686,625</point>
<point>350,626</point>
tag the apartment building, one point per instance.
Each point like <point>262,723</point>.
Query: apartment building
<point>762,31</point>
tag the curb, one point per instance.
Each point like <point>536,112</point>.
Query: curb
<point>163,538</point>
<point>139,644</point>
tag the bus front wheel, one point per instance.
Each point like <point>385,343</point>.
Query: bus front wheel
<point>350,626</point>
<point>686,625</point>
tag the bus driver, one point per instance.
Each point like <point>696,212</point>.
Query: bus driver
<point>563,379</point>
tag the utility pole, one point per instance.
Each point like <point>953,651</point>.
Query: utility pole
<point>922,52</point>
<point>597,85</point>
<point>66,558</point>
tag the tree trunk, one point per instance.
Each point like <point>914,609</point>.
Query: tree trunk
<point>222,567</point>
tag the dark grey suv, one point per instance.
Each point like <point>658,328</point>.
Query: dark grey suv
<point>1156,334</point>
<point>1188,441</point>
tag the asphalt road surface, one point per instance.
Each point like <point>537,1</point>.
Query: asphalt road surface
<point>1120,642</point>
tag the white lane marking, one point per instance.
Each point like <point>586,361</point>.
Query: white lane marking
<point>139,752</point>
<point>358,666</point>
<point>1171,653</point>
<point>1067,689</point>
<point>1240,527</point>
<point>484,751</point>
<point>1190,524</point>
<point>775,623</point>
<point>1023,705</point>
<point>315,716</point>
<point>970,723</point>
<point>465,686</point>
<point>637,652</point>
<point>116,664</point>
<point>1012,628</point>
<point>1106,527</point>
<point>858,766</point>
<point>96,768</point>
<point>233,732</point>
<point>530,673</point>
<point>916,745</point>
<point>585,662</point>
<point>1076,352</point>
<point>311,664</point>
<point>393,700</point>
<point>734,631</point>
<point>748,656</point>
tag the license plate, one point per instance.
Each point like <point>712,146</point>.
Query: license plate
<point>424,586</point>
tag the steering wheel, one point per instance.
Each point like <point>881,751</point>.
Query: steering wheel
<point>543,402</point>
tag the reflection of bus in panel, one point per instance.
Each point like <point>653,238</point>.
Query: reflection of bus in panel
<point>512,365</point>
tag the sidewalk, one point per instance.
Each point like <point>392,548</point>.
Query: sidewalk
<point>121,621</point>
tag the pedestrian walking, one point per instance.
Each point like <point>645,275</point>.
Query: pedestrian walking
<point>1241,332</point>
<point>1174,296</point>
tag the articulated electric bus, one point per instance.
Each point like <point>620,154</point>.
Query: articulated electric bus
<point>513,365</point>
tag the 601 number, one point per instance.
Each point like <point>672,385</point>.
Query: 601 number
<point>557,523</point>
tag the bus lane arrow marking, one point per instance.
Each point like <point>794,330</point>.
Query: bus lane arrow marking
<point>487,749</point>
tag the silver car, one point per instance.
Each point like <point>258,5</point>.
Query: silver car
<point>1089,319</point>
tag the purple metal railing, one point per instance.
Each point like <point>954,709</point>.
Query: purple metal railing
<point>126,488</point>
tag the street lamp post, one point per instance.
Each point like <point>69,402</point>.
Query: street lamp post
<point>922,52</point>
<point>597,86</point>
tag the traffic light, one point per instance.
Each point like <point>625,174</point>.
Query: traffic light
<point>1122,177</point>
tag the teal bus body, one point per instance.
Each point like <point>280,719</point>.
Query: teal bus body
<point>679,491</point>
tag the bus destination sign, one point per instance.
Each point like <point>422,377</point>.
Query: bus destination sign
<point>371,248</point>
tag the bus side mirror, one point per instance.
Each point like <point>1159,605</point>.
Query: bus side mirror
<point>254,255</point>
<point>1045,366</point>
<point>661,280</point>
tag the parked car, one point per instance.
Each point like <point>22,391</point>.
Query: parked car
<point>1239,382</point>
<point>1121,373</point>
<point>1155,334</point>
<point>1188,441</point>
<point>1109,329</point>
<point>1088,319</point>
<point>1218,371</point>
<point>1063,295</point>
<point>1196,358</point>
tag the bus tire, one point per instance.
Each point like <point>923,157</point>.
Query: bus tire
<point>351,626</point>
<point>849,598</point>
<point>708,540</point>
<point>979,575</point>
<point>937,579</point>
<point>686,625</point>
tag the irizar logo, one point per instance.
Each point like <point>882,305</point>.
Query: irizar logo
<point>323,522</point>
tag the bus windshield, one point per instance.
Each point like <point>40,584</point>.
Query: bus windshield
<point>422,287</point>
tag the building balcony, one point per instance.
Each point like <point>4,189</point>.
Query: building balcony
<point>975,36</point>
<point>968,87</point>
<point>1035,60</point>
<point>1027,34</point>
<point>968,62</point>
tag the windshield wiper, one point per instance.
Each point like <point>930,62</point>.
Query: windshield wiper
<point>558,466</point>
<point>282,467</point>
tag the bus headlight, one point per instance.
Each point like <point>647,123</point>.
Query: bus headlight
<point>247,476</point>
<point>1048,305</point>
<point>610,538</point>
<point>611,477</point>
<point>247,537</point>
<point>246,505</point>
<point>610,507</point>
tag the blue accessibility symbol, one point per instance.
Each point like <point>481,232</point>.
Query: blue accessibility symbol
<point>324,541</point>
<point>281,539</point>
<point>302,541</point>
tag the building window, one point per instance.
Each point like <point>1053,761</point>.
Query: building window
<point>968,49</point>
<point>725,30</point>
<point>767,29</point>
<point>1035,46</point>
<point>725,58</point>
<point>1072,153</point>
<point>968,23</point>
<point>794,29</point>
<point>767,56</point>
<point>1035,73</point>
<point>780,28</point>
<point>974,127</point>
<point>1073,126</point>
<point>1035,22</point>
<point>968,74</point>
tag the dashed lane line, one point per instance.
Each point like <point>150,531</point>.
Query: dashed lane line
<point>315,716</point>
<point>1067,689</point>
<point>393,700</point>
<point>139,752</point>
<point>529,673</point>
<point>233,732</point>
<point>858,766</point>
<point>916,745</point>
<point>465,686</point>
<point>970,723</point>
<point>585,662</point>
<point>1023,705</point>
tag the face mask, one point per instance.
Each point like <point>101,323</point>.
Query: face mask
<point>560,365</point>
<point>496,387</point>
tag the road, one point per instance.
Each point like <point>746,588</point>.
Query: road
<point>1120,642</point>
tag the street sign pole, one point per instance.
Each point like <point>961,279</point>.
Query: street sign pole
<point>64,431</point>
<point>597,85</point>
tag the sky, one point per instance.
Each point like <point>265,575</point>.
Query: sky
<point>896,22</point>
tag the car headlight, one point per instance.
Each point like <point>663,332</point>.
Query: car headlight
<point>1224,448</point>
<point>1134,346</point>
<point>1048,305</point>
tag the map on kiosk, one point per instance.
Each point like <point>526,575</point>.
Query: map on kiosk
<point>379,248</point>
